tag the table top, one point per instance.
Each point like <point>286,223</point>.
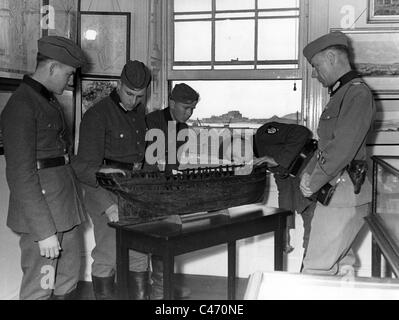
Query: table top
<point>174,226</point>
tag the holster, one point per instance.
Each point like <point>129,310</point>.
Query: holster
<point>357,171</point>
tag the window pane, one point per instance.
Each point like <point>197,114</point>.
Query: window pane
<point>235,40</point>
<point>193,41</point>
<point>278,39</point>
<point>257,100</point>
<point>235,5</point>
<point>272,4</point>
<point>192,5</point>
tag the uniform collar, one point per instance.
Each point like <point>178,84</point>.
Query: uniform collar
<point>117,100</point>
<point>38,87</point>
<point>347,77</point>
<point>167,115</point>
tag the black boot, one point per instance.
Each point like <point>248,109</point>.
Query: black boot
<point>138,285</point>
<point>104,287</point>
<point>69,296</point>
<point>179,292</point>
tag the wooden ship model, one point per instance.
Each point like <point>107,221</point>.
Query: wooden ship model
<point>153,194</point>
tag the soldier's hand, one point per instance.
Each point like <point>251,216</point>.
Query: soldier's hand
<point>111,170</point>
<point>112,213</point>
<point>269,160</point>
<point>305,185</point>
<point>50,247</point>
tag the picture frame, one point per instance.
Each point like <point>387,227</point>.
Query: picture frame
<point>382,11</point>
<point>105,38</point>
<point>95,89</point>
<point>385,128</point>
<point>375,56</point>
<point>19,32</point>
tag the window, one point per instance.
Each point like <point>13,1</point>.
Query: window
<point>242,56</point>
<point>240,34</point>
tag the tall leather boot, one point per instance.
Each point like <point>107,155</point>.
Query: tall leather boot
<point>104,287</point>
<point>179,292</point>
<point>69,296</point>
<point>138,285</point>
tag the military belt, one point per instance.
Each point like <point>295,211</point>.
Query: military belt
<point>52,162</point>
<point>123,165</point>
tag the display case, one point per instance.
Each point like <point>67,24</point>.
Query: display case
<point>384,217</point>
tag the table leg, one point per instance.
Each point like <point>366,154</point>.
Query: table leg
<point>279,241</point>
<point>231,270</point>
<point>122,266</point>
<point>168,271</point>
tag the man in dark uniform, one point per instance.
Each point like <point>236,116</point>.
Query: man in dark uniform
<point>112,133</point>
<point>45,200</point>
<point>286,148</point>
<point>343,128</point>
<point>171,121</point>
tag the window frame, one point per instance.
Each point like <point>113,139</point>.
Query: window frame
<point>236,74</point>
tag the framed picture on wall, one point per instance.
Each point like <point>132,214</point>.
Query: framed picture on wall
<point>375,56</point>
<point>383,11</point>
<point>385,129</point>
<point>93,90</point>
<point>19,32</point>
<point>105,38</point>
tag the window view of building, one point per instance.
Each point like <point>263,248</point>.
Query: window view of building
<point>241,56</point>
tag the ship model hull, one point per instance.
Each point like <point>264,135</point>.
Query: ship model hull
<point>157,194</point>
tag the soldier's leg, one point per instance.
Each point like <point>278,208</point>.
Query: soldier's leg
<point>69,262</point>
<point>38,272</point>
<point>332,233</point>
<point>307,216</point>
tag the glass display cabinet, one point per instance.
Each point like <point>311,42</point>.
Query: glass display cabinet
<point>384,217</point>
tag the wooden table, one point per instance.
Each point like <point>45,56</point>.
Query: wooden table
<point>167,240</point>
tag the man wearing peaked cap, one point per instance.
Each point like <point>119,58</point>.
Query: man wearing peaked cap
<point>112,135</point>
<point>46,203</point>
<point>343,128</point>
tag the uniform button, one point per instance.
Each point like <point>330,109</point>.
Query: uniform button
<point>43,191</point>
<point>138,143</point>
<point>328,117</point>
<point>134,120</point>
<point>122,135</point>
<point>49,125</point>
<point>137,131</point>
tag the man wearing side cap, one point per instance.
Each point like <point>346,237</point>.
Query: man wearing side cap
<point>343,128</point>
<point>46,203</point>
<point>171,121</point>
<point>112,133</point>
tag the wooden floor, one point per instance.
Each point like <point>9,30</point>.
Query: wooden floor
<point>202,287</point>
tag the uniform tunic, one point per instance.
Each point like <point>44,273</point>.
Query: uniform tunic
<point>108,131</point>
<point>42,202</point>
<point>343,128</point>
<point>160,119</point>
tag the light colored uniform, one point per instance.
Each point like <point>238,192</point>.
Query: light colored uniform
<point>342,131</point>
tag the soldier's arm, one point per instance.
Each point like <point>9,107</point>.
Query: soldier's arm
<point>352,126</point>
<point>295,140</point>
<point>90,158</point>
<point>19,135</point>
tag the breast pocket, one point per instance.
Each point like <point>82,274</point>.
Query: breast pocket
<point>328,121</point>
<point>119,141</point>
<point>48,131</point>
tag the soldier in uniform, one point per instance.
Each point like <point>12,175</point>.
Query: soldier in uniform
<point>112,133</point>
<point>286,148</point>
<point>46,203</point>
<point>170,121</point>
<point>342,131</point>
